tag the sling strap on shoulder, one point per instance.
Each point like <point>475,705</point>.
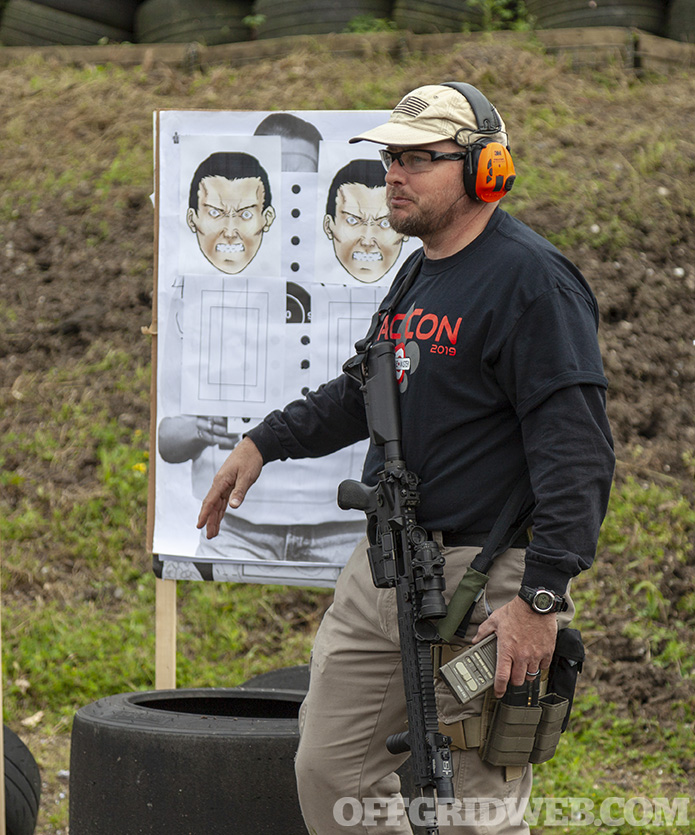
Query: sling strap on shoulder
<point>514,518</point>
<point>406,283</point>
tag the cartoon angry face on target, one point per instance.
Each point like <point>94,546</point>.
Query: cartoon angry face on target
<point>230,209</point>
<point>357,221</point>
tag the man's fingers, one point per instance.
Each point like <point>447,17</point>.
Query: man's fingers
<point>245,478</point>
<point>486,628</point>
<point>502,673</point>
<point>230,485</point>
<point>212,528</point>
<point>211,514</point>
<point>237,497</point>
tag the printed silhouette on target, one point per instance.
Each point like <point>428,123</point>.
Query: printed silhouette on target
<point>300,152</point>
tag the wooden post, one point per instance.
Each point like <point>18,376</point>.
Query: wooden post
<point>2,733</point>
<point>165,635</point>
<point>165,590</point>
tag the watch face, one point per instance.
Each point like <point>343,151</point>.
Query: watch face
<point>543,601</point>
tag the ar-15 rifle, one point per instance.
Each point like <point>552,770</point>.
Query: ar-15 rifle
<point>402,556</point>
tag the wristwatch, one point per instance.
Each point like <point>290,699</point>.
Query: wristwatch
<point>543,601</point>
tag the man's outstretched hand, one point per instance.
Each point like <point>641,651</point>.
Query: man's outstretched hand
<point>230,485</point>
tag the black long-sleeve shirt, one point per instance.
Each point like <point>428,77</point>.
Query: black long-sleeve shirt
<point>499,370</point>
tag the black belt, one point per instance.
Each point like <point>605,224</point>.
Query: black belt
<point>477,540</point>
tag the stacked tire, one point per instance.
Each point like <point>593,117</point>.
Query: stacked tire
<point>432,16</point>
<point>213,760</point>
<point>203,760</point>
<point>680,25</point>
<point>648,15</point>
<point>207,22</point>
<point>70,22</point>
<point>282,18</point>
<point>22,786</point>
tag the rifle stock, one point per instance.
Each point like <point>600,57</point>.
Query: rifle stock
<point>402,556</point>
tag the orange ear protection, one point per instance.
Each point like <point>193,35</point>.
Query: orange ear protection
<point>488,170</point>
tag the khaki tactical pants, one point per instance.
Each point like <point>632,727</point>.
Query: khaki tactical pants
<point>346,777</point>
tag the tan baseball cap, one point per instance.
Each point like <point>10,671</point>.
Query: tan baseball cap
<point>433,113</point>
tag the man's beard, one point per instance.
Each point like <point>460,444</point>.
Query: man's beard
<point>425,223</point>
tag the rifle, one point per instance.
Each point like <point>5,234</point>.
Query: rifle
<point>402,556</point>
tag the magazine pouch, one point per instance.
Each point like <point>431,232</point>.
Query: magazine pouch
<point>511,736</point>
<point>553,713</point>
<point>529,731</point>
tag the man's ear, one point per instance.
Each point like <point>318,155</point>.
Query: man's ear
<point>191,217</point>
<point>269,216</point>
<point>328,224</point>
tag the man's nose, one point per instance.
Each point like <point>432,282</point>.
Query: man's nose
<point>395,173</point>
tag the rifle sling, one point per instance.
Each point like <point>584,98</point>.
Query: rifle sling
<point>362,345</point>
<point>518,506</point>
<point>514,518</point>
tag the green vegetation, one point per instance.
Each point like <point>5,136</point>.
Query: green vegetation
<point>253,21</point>
<point>649,530</point>
<point>369,23</point>
<point>502,14</point>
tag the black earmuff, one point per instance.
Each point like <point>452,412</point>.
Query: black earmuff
<point>488,170</point>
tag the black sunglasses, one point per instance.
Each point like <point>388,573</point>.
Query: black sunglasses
<point>416,160</point>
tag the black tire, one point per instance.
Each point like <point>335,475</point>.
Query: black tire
<point>680,25</point>
<point>26,23</point>
<point>180,21</point>
<point>432,16</point>
<point>294,679</point>
<point>649,15</point>
<point>22,786</point>
<point>209,760</point>
<point>116,13</point>
<point>318,17</point>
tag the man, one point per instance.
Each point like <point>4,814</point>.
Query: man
<point>230,209</point>
<point>357,221</point>
<point>519,384</point>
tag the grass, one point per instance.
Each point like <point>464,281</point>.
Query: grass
<point>604,755</point>
<point>609,752</point>
<point>89,631</point>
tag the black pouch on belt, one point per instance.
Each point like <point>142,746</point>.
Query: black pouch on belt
<point>566,665</point>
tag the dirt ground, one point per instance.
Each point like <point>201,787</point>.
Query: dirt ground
<point>75,282</point>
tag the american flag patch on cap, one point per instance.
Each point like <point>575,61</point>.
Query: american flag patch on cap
<point>411,106</point>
